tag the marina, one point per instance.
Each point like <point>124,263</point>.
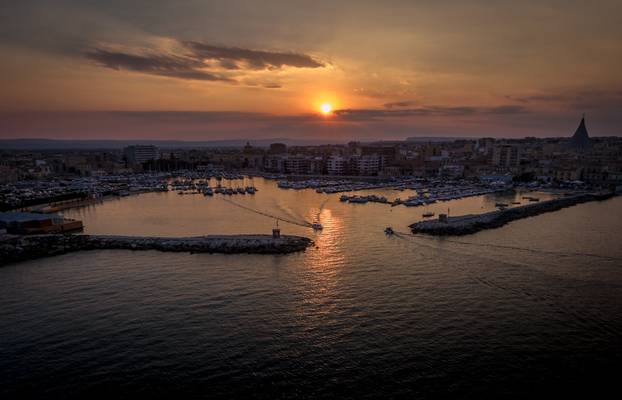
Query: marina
<point>436,196</point>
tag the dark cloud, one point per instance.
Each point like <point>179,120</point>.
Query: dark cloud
<point>201,61</point>
<point>509,109</point>
<point>575,98</point>
<point>398,104</point>
<point>375,114</point>
<point>156,64</point>
<point>255,59</point>
<point>538,97</point>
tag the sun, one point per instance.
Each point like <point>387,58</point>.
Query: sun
<point>326,108</point>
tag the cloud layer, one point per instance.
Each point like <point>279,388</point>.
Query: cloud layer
<point>391,111</point>
<point>235,57</point>
<point>157,64</point>
<point>201,61</point>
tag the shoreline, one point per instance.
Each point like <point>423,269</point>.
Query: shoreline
<point>472,223</point>
<point>16,248</point>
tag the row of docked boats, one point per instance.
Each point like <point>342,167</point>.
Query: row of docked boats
<point>426,197</point>
<point>363,199</point>
<point>229,191</point>
<point>330,186</point>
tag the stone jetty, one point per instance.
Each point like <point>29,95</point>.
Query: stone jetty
<point>467,224</point>
<point>15,248</point>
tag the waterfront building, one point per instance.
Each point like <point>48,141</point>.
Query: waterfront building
<point>34,223</point>
<point>297,165</point>
<point>274,164</point>
<point>506,156</point>
<point>337,165</point>
<point>138,154</point>
<point>386,154</point>
<point>367,164</point>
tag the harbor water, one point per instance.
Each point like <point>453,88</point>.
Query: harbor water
<point>534,306</point>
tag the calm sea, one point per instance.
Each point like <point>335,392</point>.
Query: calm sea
<point>530,308</point>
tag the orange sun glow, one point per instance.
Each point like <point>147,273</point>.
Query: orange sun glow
<point>326,108</point>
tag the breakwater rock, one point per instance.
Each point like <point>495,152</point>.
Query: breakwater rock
<point>467,224</point>
<point>18,248</point>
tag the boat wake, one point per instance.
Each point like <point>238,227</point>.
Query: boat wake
<point>265,214</point>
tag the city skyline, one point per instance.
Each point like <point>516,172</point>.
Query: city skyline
<point>197,71</point>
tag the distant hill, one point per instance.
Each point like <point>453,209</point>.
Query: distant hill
<point>438,138</point>
<point>52,144</point>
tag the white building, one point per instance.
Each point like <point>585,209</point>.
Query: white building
<point>297,165</point>
<point>337,165</point>
<point>367,165</point>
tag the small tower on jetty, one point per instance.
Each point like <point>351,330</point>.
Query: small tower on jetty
<point>276,231</point>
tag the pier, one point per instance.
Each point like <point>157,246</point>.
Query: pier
<point>14,248</point>
<point>467,224</point>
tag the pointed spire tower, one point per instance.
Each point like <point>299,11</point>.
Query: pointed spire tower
<point>581,140</point>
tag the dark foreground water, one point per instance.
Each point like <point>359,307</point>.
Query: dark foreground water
<point>533,307</point>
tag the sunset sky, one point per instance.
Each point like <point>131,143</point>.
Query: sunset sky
<point>205,70</point>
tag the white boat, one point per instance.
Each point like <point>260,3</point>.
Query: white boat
<point>317,226</point>
<point>428,214</point>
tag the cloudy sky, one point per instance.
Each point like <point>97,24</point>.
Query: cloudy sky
<point>202,70</point>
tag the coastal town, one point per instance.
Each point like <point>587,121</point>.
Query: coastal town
<point>38,185</point>
<point>30,177</point>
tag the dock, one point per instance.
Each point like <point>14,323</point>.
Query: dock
<point>14,248</point>
<point>468,224</point>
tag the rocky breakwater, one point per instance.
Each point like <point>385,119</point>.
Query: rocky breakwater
<point>15,248</point>
<point>467,224</point>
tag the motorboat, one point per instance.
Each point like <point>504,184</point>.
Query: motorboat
<point>388,230</point>
<point>428,214</point>
<point>317,226</point>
